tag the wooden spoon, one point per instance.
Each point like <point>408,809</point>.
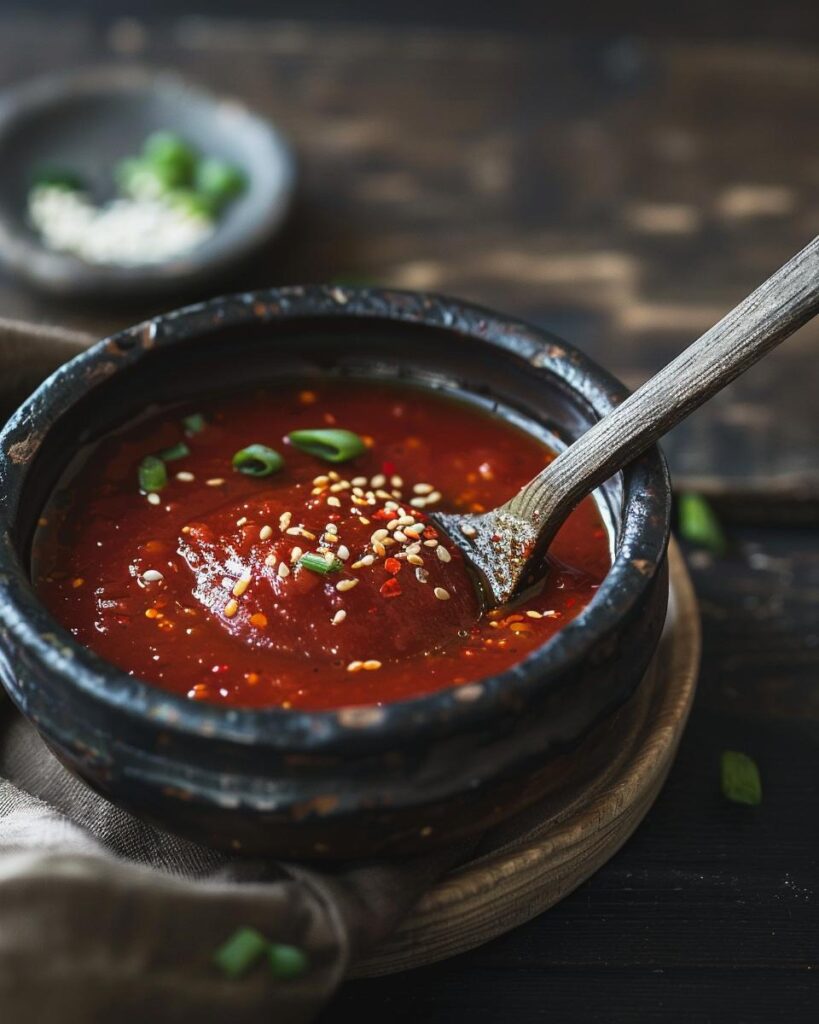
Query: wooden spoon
<point>507,546</point>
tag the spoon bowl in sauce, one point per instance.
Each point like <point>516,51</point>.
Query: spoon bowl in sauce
<point>412,720</point>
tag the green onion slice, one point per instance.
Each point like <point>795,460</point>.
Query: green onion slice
<point>152,474</point>
<point>257,460</point>
<point>242,951</point>
<point>699,525</point>
<point>194,424</point>
<point>330,444</point>
<point>286,961</point>
<point>740,779</point>
<point>176,451</point>
<point>318,563</point>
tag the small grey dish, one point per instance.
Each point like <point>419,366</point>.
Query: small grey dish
<point>90,120</point>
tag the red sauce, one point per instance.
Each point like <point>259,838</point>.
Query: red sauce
<point>197,589</point>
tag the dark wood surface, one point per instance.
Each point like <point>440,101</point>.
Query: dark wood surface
<point>625,194</point>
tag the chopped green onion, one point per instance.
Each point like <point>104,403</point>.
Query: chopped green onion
<point>318,563</point>
<point>52,176</point>
<point>141,179</point>
<point>257,460</point>
<point>194,424</point>
<point>242,951</point>
<point>194,204</point>
<point>219,180</point>
<point>740,779</point>
<point>171,157</point>
<point>286,961</point>
<point>152,474</point>
<point>699,525</point>
<point>330,444</point>
<point>176,451</point>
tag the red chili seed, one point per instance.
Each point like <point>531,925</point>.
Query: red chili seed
<point>392,565</point>
<point>430,533</point>
<point>392,588</point>
<point>388,468</point>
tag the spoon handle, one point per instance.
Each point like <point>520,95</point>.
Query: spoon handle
<point>775,310</point>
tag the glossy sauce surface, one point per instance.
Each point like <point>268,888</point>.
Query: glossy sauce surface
<point>199,589</point>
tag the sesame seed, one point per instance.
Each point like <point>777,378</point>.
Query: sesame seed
<point>432,498</point>
<point>393,524</point>
<point>443,554</point>
<point>355,666</point>
<point>396,481</point>
<point>400,536</point>
<point>78,582</point>
<point>343,585</point>
<point>215,481</point>
<point>185,476</point>
<point>379,548</point>
<point>415,560</point>
<point>342,485</point>
<point>241,586</point>
<point>231,608</point>
<point>364,520</point>
<point>332,475</point>
<point>371,665</point>
<point>418,502</point>
<point>284,520</point>
<point>468,531</point>
<point>343,552</point>
<point>358,492</point>
<point>406,521</point>
<point>266,533</point>
<point>379,535</point>
<point>320,481</point>
<point>153,498</point>
<point>441,594</point>
<point>152,576</point>
<point>378,480</point>
<point>332,500</point>
<point>339,616</point>
<point>366,560</point>
<point>421,575</point>
<point>329,557</point>
<point>533,614</point>
<point>295,554</point>
<point>242,521</point>
<point>383,495</point>
<point>331,528</point>
<point>359,481</point>
<point>423,489</point>
<point>283,570</point>
<point>270,560</point>
<point>317,490</point>
<point>414,549</point>
<point>430,543</point>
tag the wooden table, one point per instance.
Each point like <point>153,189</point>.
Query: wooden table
<point>623,194</point>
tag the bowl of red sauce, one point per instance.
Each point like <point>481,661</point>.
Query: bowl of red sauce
<point>224,600</point>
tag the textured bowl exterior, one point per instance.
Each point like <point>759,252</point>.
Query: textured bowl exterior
<point>351,782</point>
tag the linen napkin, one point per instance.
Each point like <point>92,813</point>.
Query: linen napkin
<point>103,916</point>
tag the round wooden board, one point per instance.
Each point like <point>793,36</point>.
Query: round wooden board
<point>532,861</point>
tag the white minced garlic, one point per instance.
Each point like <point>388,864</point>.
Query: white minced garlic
<point>124,232</point>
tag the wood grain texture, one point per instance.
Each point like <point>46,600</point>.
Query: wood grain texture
<point>533,861</point>
<point>623,193</point>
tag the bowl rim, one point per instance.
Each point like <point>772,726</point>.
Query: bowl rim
<point>61,272</point>
<point>48,645</point>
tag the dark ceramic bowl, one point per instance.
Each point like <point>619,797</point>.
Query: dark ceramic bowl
<point>357,781</point>
<point>90,120</point>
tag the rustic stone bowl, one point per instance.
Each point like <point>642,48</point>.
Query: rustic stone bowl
<point>352,782</point>
<point>88,121</point>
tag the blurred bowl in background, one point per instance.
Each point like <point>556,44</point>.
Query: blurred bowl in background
<point>89,121</point>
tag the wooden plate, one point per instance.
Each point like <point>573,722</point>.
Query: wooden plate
<point>529,863</point>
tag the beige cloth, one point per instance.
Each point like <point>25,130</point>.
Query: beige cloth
<point>103,917</point>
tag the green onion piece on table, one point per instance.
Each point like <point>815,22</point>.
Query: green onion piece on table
<point>318,563</point>
<point>330,444</point>
<point>286,961</point>
<point>740,779</point>
<point>194,424</point>
<point>699,525</point>
<point>257,460</point>
<point>176,451</point>
<point>242,951</point>
<point>152,474</point>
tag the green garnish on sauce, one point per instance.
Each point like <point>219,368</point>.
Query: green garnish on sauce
<point>318,563</point>
<point>257,460</point>
<point>152,474</point>
<point>699,525</point>
<point>286,961</point>
<point>740,779</point>
<point>331,444</point>
<point>219,180</point>
<point>242,951</point>
<point>176,451</point>
<point>194,424</point>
